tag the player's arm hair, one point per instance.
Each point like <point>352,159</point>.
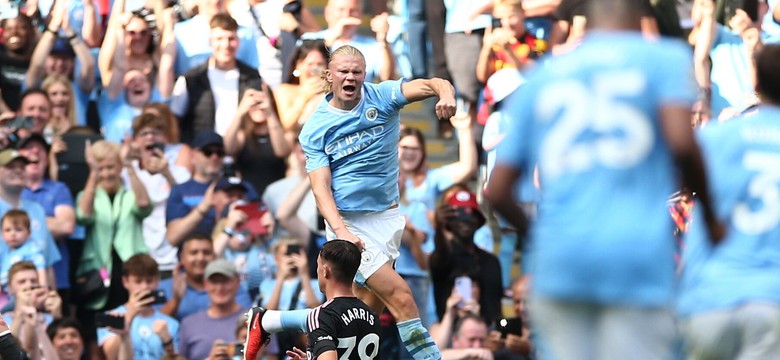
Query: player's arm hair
<point>675,125</point>
<point>421,89</point>
<point>499,194</point>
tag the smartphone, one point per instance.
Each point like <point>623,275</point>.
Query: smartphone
<point>495,23</point>
<point>236,351</point>
<point>158,296</point>
<point>20,122</point>
<point>254,211</point>
<point>463,288</point>
<point>159,146</point>
<point>106,320</point>
<point>293,249</point>
<point>9,10</point>
<point>512,326</point>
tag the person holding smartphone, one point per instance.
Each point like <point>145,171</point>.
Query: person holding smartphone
<point>153,334</point>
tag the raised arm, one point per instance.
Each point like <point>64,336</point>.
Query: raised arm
<point>90,30</point>
<point>36,71</point>
<point>276,131</point>
<point>128,155</point>
<point>421,89</point>
<point>86,203</point>
<point>380,27</point>
<point>705,35</point>
<point>86,76</point>
<point>113,41</point>
<point>466,166</point>
<point>675,125</point>
<point>165,72</point>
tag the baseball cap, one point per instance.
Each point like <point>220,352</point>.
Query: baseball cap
<point>503,82</point>
<point>205,138</point>
<point>225,183</point>
<point>221,266</point>
<point>62,48</point>
<point>34,137</point>
<point>9,155</point>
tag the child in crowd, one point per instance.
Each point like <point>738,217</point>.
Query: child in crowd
<point>16,232</point>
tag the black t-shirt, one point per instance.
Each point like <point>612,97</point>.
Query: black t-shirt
<point>568,9</point>
<point>12,73</point>
<point>344,324</point>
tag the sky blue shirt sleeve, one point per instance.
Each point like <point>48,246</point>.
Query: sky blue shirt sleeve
<point>675,80</point>
<point>513,150</point>
<point>390,92</point>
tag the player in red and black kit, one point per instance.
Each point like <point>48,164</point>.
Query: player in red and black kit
<point>343,327</point>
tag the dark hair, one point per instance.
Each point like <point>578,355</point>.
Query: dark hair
<point>191,238</point>
<point>63,323</point>
<point>31,40</point>
<point>300,53</point>
<point>463,319</point>
<point>410,131</point>
<point>34,91</point>
<point>16,216</point>
<point>768,73</point>
<point>343,257</point>
<point>141,265</point>
<point>223,21</point>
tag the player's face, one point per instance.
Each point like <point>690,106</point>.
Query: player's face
<point>14,233</point>
<point>410,154</point>
<point>346,74</point>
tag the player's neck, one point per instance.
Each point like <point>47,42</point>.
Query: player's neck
<point>344,105</point>
<point>339,290</point>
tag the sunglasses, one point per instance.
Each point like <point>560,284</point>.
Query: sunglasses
<point>211,151</point>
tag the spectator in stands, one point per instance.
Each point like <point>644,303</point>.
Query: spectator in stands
<point>222,285</point>
<point>420,188</point>
<point>12,184</point>
<point>176,152</point>
<point>128,45</point>
<point>63,105</point>
<point>206,97</point>
<point>190,207</point>
<point>302,88</point>
<point>723,60</point>
<point>131,84</point>
<point>158,176</point>
<point>469,340</point>
<point>34,307</point>
<point>256,139</point>
<point>54,57</point>
<point>457,219</point>
<point>458,306</point>
<point>57,203</point>
<point>510,45</point>
<point>113,216</point>
<point>343,18</point>
<point>292,203</point>
<point>192,51</point>
<point>35,103</point>
<point>274,23</point>
<point>65,336</point>
<point>186,290</point>
<point>16,234</point>
<point>514,346</point>
<point>152,333</point>
<point>18,43</point>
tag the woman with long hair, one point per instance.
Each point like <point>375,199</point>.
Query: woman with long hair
<point>63,105</point>
<point>137,45</point>
<point>302,87</point>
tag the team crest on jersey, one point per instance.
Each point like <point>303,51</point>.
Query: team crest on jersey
<point>366,257</point>
<point>372,113</point>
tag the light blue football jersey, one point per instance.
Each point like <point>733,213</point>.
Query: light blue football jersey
<point>589,120</point>
<point>743,164</point>
<point>360,146</point>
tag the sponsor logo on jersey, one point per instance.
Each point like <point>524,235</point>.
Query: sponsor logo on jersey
<point>353,143</point>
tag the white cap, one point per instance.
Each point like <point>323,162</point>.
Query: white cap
<point>503,82</point>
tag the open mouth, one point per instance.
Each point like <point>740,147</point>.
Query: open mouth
<point>349,89</point>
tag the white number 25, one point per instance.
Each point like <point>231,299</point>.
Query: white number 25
<point>622,135</point>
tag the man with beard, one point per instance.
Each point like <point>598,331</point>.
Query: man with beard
<point>457,219</point>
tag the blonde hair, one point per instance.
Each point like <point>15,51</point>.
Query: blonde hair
<point>50,81</point>
<point>346,50</point>
<point>103,149</point>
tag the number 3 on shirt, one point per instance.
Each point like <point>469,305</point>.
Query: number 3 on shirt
<point>763,186</point>
<point>615,134</point>
<point>362,347</point>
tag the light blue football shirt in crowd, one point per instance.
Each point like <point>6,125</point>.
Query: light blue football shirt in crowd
<point>193,49</point>
<point>589,120</point>
<point>116,115</point>
<point>731,80</point>
<point>39,233</point>
<point>26,252</point>
<point>146,344</point>
<point>360,146</point>
<point>743,164</point>
<point>770,28</point>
